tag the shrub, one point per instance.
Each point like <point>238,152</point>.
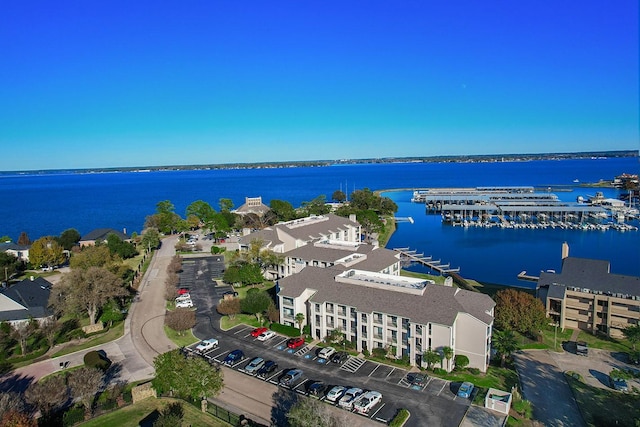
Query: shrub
<point>289,331</point>
<point>461,361</point>
<point>365,352</point>
<point>439,371</point>
<point>523,407</point>
<point>379,352</point>
<point>73,416</point>
<point>94,359</point>
<point>474,371</point>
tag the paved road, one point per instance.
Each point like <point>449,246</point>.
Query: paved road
<point>543,384</point>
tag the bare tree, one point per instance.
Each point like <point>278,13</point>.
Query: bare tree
<point>49,329</point>
<point>11,401</point>
<point>180,320</point>
<point>17,419</point>
<point>22,332</point>
<point>84,384</point>
<point>89,290</point>
<point>171,285</point>
<point>48,395</point>
<point>307,412</point>
<point>229,307</point>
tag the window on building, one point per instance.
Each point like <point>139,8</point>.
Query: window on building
<point>287,301</point>
<point>329,307</point>
<point>317,308</point>
<point>377,318</point>
<point>364,317</point>
<point>342,310</point>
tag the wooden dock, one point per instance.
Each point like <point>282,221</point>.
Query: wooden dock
<point>524,276</point>
<point>427,261</point>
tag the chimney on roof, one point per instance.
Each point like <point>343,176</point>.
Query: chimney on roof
<point>565,250</point>
<point>124,231</point>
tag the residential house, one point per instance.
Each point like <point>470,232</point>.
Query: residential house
<point>585,295</point>
<point>25,300</point>
<point>19,251</point>
<point>406,316</point>
<point>100,235</point>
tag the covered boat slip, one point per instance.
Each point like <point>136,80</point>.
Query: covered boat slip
<point>564,212</point>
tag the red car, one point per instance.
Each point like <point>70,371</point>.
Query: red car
<point>183,291</point>
<point>295,342</point>
<point>256,332</point>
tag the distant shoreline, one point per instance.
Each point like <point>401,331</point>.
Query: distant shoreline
<point>489,158</point>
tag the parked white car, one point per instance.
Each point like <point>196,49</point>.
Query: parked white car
<point>184,304</point>
<point>266,335</point>
<point>346,401</point>
<point>336,393</point>
<point>183,297</point>
<point>206,345</point>
<point>255,365</point>
<point>364,403</point>
<point>326,352</point>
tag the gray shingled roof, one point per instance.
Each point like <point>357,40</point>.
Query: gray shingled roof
<point>13,246</point>
<point>318,229</point>
<point>439,304</point>
<point>100,234</point>
<point>590,274</point>
<point>34,295</point>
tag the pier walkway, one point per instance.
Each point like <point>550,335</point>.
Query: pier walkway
<point>428,261</point>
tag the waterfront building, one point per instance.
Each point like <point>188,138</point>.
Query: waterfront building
<point>585,295</point>
<point>100,235</point>
<point>19,251</point>
<point>252,205</point>
<point>405,316</point>
<point>26,300</point>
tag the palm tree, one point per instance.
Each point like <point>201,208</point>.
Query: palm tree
<point>431,357</point>
<point>447,353</point>
<point>300,321</point>
<point>505,343</point>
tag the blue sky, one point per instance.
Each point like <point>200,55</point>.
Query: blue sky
<point>107,84</point>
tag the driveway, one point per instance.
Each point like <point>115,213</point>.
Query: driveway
<point>543,384</point>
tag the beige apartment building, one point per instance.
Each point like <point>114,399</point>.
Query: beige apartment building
<point>585,295</point>
<point>406,316</point>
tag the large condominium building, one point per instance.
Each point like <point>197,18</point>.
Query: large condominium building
<point>586,295</point>
<point>406,316</point>
<point>286,236</point>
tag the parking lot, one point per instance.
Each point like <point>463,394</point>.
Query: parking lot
<point>433,403</point>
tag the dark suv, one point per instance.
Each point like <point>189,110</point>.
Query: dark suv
<point>233,357</point>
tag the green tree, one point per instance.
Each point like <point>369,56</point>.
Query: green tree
<point>6,239</point>
<point>9,266</point>
<point>504,343</point>
<point>317,206</point>
<point>284,210</point>
<point>46,251</point>
<point>370,222</point>
<point>300,321</point>
<point>117,246</point>
<point>170,416</point>
<point>632,333</point>
<point>256,303</point>
<point>519,311</point>
<point>339,196</point>
<point>431,357</point>
<point>69,238</point>
<point>250,274</point>
<point>447,353</point>
<point>87,290</point>
<point>94,256</point>
<point>165,219</point>
<point>201,210</point>
<point>232,275</point>
<point>225,205</point>
<point>191,377</point>
<point>150,238</point>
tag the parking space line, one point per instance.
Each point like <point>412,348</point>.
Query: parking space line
<point>389,374</point>
<point>374,369</point>
<point>443,386</point>
<point>377,410</point>
<point>280,343</point>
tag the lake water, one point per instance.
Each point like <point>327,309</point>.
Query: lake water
<point>43,204</point>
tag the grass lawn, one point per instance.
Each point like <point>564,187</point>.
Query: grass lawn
<point>131,416</point>
<point>605,407</point>
<point>180,340</point>
<point>242,291</point>
<point>247,319</point>
<point>113,333</point>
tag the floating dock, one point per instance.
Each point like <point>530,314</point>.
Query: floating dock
<point>407,254</point>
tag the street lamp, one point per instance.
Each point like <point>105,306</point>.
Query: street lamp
<point>555,334</point>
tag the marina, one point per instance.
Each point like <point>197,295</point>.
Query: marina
<point>409,255</point>
<point>523,207</point>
